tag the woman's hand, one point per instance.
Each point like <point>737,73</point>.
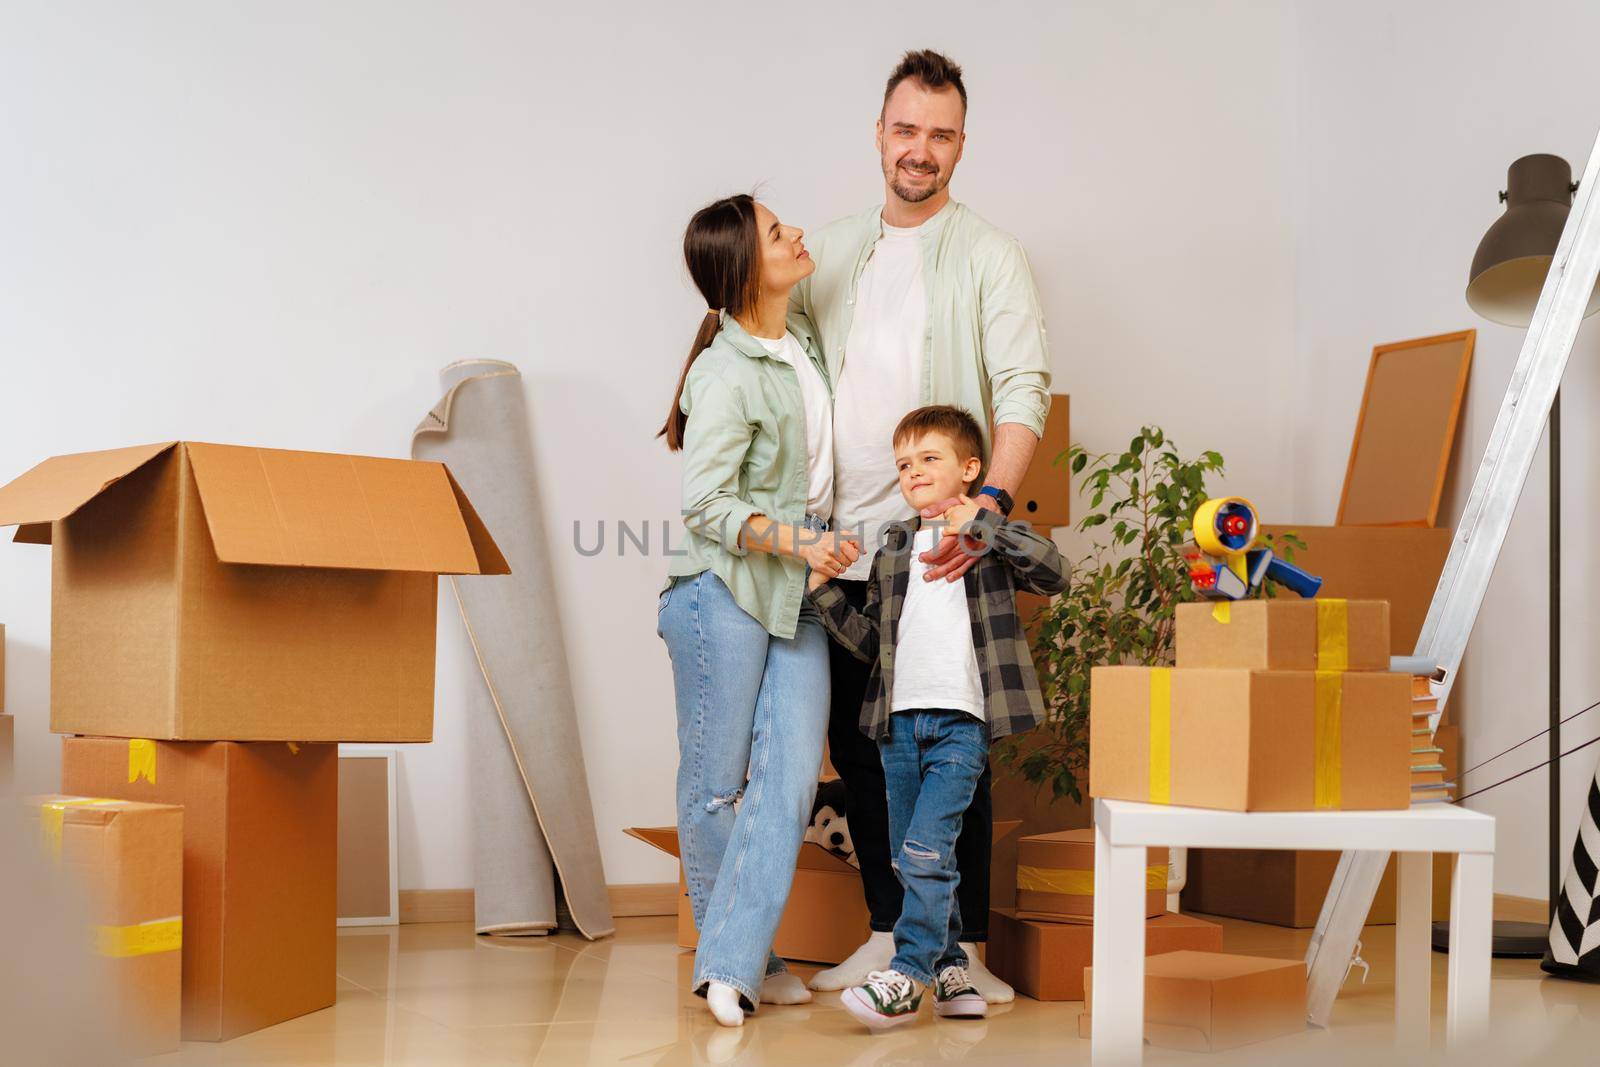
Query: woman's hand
<point>829,554</point>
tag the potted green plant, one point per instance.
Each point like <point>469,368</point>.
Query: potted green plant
<point>1120,604</point>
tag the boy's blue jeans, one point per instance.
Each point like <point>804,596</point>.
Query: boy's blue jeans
<point>931,762</point>
<point>752,712</point>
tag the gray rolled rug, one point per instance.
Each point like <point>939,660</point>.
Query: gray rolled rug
<point>533,824</point>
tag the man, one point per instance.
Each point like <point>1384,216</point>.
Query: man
<point>914,302</point>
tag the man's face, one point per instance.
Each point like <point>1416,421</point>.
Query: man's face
<point>920,138</point>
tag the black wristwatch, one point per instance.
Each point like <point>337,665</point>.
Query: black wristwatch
<point>1001,497</point>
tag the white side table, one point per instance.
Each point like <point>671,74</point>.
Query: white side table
<point>1123,830</point>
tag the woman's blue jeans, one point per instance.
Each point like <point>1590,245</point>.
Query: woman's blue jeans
<point>752,714</point>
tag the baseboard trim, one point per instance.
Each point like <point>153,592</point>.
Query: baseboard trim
<point>455,905</point>
<point>1521,909</point>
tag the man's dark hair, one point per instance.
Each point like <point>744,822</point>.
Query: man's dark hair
<point>932,69</point>
<point>955,423</point>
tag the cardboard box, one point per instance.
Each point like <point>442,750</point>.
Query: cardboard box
<point>259,845</point>
<point>1045,960</point>
<point>1044,498</point>
<point>826,917</point>
<point>209,592</point>
<point>1398,564</point>
<point>1284,635</point>
<point>128,859</point>
<point>1211,1001</point>
<point>1287,888</point>
<point>1055,878</point>
<point>1251,740</point>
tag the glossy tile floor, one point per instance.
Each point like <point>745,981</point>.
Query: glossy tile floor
<point>438,995</point>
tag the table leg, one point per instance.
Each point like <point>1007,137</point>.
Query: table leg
<point>1117,1035</point>
<point>1471,924</point>
<point>1413,951</point>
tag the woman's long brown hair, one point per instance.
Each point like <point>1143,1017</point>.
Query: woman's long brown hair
<point>723,252</point>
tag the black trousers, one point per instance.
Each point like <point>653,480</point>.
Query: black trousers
<point>855,757</point>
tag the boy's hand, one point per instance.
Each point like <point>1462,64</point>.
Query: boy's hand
<point>961,513</point>
<point>950,558</point>
<point>816,581</point>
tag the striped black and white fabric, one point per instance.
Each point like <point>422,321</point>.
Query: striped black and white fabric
<point>1574,950</point>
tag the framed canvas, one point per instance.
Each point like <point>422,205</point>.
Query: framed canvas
<point>369,857</point>
<point>1405,431</point>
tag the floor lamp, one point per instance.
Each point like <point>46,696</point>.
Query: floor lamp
<point>1507,276</point>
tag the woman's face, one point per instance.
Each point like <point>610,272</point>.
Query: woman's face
<point>784,259</point>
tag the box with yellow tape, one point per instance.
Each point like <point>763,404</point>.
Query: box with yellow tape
<point>1244,740</point>
<point>1055,878</point>
<point>128,859</point>
<point>1284,635</point>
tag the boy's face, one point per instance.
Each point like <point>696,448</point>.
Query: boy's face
<point>930,471</point>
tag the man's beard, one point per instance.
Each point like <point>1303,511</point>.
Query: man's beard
<point>914,195</point>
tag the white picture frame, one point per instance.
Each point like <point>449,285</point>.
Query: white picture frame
<point>389,757</point>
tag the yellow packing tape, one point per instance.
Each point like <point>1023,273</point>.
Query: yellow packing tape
<point>1329,767</point>
<point>1333,635</point>
<point>51,813</point>
<point>1075,883</point>
<point>1222,611</point>
<point>140,939</point>
<point>1161,735</point>
<point>142,760</point>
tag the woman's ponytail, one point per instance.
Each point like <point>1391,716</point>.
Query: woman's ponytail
<point>673,428</point>
<point>722,251</point>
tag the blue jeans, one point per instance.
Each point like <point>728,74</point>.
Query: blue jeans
<point>931,764</point>
<point>752,713</point>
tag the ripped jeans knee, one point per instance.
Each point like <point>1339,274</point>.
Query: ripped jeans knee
<point>920,854</point>
<point>724,800</point>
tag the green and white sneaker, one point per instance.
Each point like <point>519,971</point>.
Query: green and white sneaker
<point>885,1000</point>
<point>955,997</point>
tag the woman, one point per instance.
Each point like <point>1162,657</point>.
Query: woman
<point>753,417</point>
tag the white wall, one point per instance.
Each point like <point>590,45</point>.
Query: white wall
<point>271,224</point>
<point>1409,115</point>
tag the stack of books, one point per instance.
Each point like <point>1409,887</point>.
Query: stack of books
<point>1428,782</point>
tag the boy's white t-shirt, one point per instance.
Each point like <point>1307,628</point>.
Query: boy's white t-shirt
<point>818,422</point>
<point>881,380</point>
<point>935,665</point>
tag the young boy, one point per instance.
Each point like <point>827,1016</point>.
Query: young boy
<point>951,671</point>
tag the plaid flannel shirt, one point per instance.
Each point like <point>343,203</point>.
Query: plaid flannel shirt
<point>1015,557</point>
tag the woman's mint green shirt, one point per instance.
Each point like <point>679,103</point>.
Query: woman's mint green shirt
<point>744,454</point>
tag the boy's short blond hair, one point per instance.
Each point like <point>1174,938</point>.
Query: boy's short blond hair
<point>953,422</point>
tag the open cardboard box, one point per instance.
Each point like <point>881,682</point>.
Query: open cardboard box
<point>826,917</point>
<point>211,592</point>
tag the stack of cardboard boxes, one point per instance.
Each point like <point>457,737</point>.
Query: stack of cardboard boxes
<point>1042,945</point>
<point>220,617</point>
<point>1275,705</point>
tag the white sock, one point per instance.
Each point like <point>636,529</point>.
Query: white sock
<point>723,1000</point>
<point>983,980</point>
<point>784,988</point>
<point>874,955</point>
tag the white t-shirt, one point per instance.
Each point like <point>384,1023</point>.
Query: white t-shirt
<point>880,382</point>
<point>818,422</point>
<point>935,665</point>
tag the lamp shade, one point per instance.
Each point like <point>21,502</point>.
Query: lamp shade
<point>1514,256</point>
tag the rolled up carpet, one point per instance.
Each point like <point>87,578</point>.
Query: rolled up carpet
<point>533,824</point>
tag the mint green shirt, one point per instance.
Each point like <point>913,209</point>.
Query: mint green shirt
<point>744,454</point>
<point>985,343</point>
